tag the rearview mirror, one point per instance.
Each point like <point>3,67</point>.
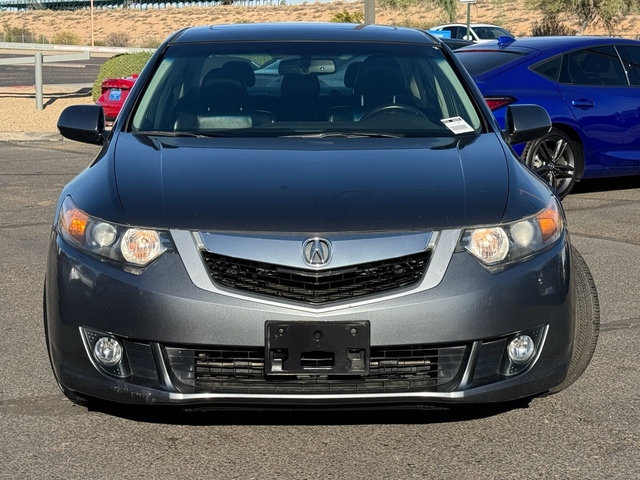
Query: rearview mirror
<point>318,66</point>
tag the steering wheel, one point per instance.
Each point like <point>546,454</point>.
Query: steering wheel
<point>393,108</point>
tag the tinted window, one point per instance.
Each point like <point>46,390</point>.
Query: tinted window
<point>479,62</point>
<point>549,68</point>
<point>304,88</point>
<point>595,66</point>
<point>631,58</point>
<point>490,33</point>
<point>456,32</point>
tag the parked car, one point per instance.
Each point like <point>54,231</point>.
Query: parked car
<point>589,85</point>
<point>376,242</point>
<point>113,92</point>
<point>478,32</point>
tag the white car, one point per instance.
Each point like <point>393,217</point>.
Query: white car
<point>479,32</point>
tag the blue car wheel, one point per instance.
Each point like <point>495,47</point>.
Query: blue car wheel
<point>554,157</point>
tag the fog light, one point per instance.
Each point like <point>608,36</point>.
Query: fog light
<point>107,351</point>
<point>521,349</point>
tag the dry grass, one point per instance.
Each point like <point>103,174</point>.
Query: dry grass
<point>144,24</point>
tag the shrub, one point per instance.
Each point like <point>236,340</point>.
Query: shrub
<point>150,43</point>
<point>66,38</point>
<point>21,35</point>
<point>550,25</point>
<point>117,66</point>
<point>347,17</point>
<point>117,39</point>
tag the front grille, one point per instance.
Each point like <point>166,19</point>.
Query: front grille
<point>316,287</point>
<point>391,369</point>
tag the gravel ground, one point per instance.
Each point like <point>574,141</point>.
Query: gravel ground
<point>18,112</point>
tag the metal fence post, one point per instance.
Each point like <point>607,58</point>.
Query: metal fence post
<point>39,103</point>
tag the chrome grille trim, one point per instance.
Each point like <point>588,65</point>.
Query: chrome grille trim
<point>442,245</point>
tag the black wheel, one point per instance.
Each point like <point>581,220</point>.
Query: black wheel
<point>587,320</point>
<point>554,157</point>
<point>392,108</point>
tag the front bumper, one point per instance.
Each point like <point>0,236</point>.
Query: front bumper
<point>173,331</point>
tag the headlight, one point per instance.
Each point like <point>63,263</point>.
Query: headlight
<point>129,245</point>
<point>502,244</point>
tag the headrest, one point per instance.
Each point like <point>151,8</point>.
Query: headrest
<point>240,71</point>
<point>300,85</point>
<point>222,95</point>
<point>379,75</point>
<point>351,73</point>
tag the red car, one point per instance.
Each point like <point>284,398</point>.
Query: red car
<point>113,94</point>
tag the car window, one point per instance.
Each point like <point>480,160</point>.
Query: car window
<point>288,88</point>
<point>595,66</point>
<point>490,33</point>
<point>453,30</point>
<point>631,58</point>
<point>478,62</point>
<point>549,68</point>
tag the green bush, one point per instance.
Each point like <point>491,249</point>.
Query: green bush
<point>121,65</point>
<point>347,17</point>
<point>66,38</point>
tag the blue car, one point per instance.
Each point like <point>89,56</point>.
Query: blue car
<point>590,86</point>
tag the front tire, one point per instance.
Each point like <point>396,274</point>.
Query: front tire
<point>554,157</point>
<point>587,326</point>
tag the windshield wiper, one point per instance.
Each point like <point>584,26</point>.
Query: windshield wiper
<point>343,135</point>
<point>164,133</point>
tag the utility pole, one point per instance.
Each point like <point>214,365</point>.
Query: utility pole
<point>468,2</point>
<point>369,12</point>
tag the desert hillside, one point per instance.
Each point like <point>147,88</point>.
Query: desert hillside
<point>146,27</point>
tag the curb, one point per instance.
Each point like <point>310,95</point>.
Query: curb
<point>48,89</point>
<point>30,137</point>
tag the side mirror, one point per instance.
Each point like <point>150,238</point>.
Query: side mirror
<point>525,123</point>
<point>82,123</point>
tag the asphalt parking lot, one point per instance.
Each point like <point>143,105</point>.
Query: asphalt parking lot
<point>589,431</point>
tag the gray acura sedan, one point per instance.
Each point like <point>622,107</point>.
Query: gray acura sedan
<point>311,214</point>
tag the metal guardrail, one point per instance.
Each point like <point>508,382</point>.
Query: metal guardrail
<point>48,47</point>
<point>69,5</point>
<point>37,59</point>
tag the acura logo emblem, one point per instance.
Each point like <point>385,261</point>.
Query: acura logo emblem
<point>316,252</point>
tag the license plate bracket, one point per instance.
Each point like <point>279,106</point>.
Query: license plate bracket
<point>317,348</point>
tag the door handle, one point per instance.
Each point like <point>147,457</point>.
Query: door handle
<point>583,103</point>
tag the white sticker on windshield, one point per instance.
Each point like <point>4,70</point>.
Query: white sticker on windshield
<point>457,125</point>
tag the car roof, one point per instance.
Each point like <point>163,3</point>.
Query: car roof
<point>471,25</point>
<point>300,31</point>
<point>550,45</point>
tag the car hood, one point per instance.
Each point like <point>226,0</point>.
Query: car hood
<point>310,185</point>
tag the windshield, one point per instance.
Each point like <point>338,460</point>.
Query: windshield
<point>490,32</point>
<point>478,62</point>
<point>274,89</point>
